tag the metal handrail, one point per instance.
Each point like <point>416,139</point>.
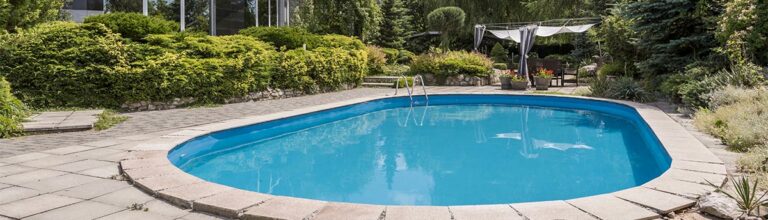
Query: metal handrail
<point>423,87</point>
<point>397,87</point>
<point>411,89</point>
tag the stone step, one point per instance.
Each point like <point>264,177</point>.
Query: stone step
<point>376,84</point>
<point>381,79</point>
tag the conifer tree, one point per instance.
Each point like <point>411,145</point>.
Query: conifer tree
<point>392,33</point>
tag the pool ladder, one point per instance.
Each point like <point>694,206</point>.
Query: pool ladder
<point>411,89</point>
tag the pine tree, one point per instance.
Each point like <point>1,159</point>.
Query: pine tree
<point>499,53</point>
<point>392,33</point>
<point>673,33</point>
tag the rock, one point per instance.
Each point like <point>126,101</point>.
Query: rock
<point>719,205</point>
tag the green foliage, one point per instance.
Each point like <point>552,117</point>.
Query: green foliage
<point>289,37</point>
<point>739,118</point>
<point>672,34</point>
<point>12,111</point>
<point>617,36</point>
<point>376,60</point>
<point>452,63</point>
<point>108,119</point>
<point>449,21</point>
<point>27,13</point>
<point>63,64</point>
<point>564,58</point>
<point>499,54</point>
<point>134,26</point>
<point>743,28</point>
<point>360,18</point>
<point>395,70</point>
<point>395,56</point>
<point>340,41</point>
<point>695,92</point>
<point>625,88</point>
<point>500,66</point>
<point>393,30</point>
<point>615,69</point>
<point>319,70</point>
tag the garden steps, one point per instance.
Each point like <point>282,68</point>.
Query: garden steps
<point>61,121</point>
<point>380,81</point>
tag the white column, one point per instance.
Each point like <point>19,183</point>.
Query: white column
<point>257,13</point>
<point>182,15</point>
<point>288,12</point>
<point>145,7</point>
<point>269,13</point>
<point>212,13</point>
<point>104,6</point>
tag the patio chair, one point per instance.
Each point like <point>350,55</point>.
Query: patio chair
<point>557,67</point>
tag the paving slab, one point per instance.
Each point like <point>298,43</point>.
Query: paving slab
<point>97,154</point>
<point>106,143</point>
<point>94,189</point>
<point>145,172</point>
<point>348,211</point>
<point>124,197</point>
<point>550,210</point>
<point>142,163</point>
<point>661,201</point>
<point>68,150</point>
<point>35,205</point>
<point>133,215</point>
<point>678,187</point>
<point>696,177</point>
<point>50,161</point>
<point>163,208</point>
<point>57,183</point>
<point>106,172</point>
<point>610,207</point>
<point>700,167</point>
<point>83,165</point>
<point>199,216</point>
<point>155,184</point>
<point>417,212</point>
<point>13,169</point>
<point>78,211</point>
<point>30,176</point>
<point>486,212</point>
<point>184,195</point>
<point>284,208</point>
<point>24,157</point>
<point>15,193</point>
<point>230,203</point>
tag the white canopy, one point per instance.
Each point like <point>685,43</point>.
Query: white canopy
<point>542,31</point>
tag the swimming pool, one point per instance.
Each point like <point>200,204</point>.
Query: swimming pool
<point>455,150</point>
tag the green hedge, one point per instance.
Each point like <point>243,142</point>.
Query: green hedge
<point>63,64</point>
<point>134,26</point>
<point>12,111</point>
<point>319,70</point>
<point>452,63</point>
<point>289,37</point>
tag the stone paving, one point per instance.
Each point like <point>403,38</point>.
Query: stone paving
<point>62,121</point>
<point>75,175</point>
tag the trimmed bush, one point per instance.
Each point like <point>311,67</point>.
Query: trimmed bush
<point>340,41</point>
<point>134,26</point>
<point>499,53</point>
<point>289,37</point>
<point>64,64</point>
<point>500,66</point>
<point>452,63</point>
<point>320,70</point>
<point>12,111</point>
<point>377,58</point>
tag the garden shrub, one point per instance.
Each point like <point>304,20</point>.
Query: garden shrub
<point>696,91</point>
<point>134,26</point>
<point>500,66</point>
<point>742,124</point>
<point>340,41</point>
<point>395,56</point>
<point>499,54</point>
<point>612,69</point>
<point>12,111</point>
<point>320,70</point>
<point>64,64</point>
<point>395,70</point>
<point>625,88</point>
<point>288,37</point>
<point>377,58</point>
<point>452,63</point>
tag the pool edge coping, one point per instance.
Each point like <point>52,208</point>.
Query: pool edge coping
<point>693,166</point>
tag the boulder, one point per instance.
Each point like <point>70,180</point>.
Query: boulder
<point>719,205</point>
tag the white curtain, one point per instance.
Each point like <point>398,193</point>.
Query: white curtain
<point>543,31</point>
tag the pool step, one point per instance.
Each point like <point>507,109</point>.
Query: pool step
<point>378,85</point>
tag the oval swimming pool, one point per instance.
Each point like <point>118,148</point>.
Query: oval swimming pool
<point>455,150</point>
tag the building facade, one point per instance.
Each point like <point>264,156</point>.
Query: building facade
<point>217,17</point>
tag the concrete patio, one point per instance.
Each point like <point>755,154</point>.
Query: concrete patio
<point>76,176</point>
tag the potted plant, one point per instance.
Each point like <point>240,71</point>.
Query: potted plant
<point>518,82</point>
<point>505,77</point>
<point>543,78</point>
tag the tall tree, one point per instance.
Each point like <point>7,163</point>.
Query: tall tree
<point>359,18</point>
<point>392,32</point>
<point>673,33</point>
<point>27,13</point>
<point>743,29</point>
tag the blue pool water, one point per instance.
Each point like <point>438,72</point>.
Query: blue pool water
<point>458,150</point>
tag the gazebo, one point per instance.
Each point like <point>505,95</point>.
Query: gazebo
<point>524,33</point>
